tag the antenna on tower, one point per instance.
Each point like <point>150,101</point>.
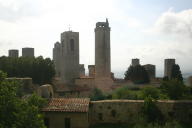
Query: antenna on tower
<point>107,20</point>
<point>69,27</point>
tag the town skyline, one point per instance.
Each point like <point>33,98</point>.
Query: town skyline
<point>150,36</point>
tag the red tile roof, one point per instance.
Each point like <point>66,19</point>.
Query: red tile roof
<point>67,105</point>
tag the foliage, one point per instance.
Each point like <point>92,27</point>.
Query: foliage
<point>151,112</point>
<point>173,88</point>
<point>176,73</point>
<point>165,78</point>
<point>16,112</point>
<point>151,91</point>
<point>124,93</point>
<point>137,74</point>
<point>172,124</point>
<point>108,125</point>
<point>39,69</point>
<point>97,94</point>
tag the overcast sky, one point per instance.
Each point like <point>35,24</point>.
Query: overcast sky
<point>150,30</point>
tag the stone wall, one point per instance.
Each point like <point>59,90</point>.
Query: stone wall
<point>86,82</point>
<point>26,83</point>
<point>127,111</point>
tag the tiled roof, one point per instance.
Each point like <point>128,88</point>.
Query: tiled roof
<point>67,105</point>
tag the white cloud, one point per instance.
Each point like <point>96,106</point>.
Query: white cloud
<point>12,10</point>
<point>171,38</point>
<point>179,24</point>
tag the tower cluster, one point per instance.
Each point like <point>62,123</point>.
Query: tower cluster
<point>66,58</point>
<point>26,52</point>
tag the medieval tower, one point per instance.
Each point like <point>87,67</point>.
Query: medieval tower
<point>66,57</point>
<point>70,56</point>
<point>57,58</point>
<point>102,55</point>
<point>168,67</point>
<point>102,50</point>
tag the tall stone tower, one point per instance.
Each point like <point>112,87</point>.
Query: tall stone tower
<point>57,58</point>
<point>102,56</point>
<point>168,67</point>
<point>102,50</point>
<point>69,56</point>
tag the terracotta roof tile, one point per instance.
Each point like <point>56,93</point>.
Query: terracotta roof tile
<point>67,105</point>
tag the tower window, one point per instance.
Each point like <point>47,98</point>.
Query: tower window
<point>72,45</point>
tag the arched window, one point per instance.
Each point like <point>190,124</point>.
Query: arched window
<point>72,45</point>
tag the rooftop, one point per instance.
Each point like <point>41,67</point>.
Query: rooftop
<point>67,105</point>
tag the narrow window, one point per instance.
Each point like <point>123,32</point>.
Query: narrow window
<point>113,113</point>
<point>100,116</point>
<point>72,45</point>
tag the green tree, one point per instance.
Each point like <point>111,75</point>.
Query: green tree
<point>173,88</point>
<point>97,94</point>
<point>153,92</point>
<point>176,73</point>
<point>16,112</point>
<point>151,112</point>
<point>137,74</point>
<point>39,69</point>
<point>124,93</point>
<point>165,78</point>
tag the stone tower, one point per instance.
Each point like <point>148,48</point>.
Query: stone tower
<point>135,62</point>
<point>151,70</point>
<point>102,50</point>
<point>69,57</point>
<point>102,56</point>
<point>13,53</point>
<point>81,70</point>
<point>168,67</point>
<point>27,52</point>
<point>57,58</point>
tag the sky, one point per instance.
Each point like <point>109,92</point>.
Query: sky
<point>151,30</point>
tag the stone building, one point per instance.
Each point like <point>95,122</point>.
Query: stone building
<point>81,70</point>
<point>168,67</point>
<point>27,52</point>
<point>83,113</point>
<point>57,58</point>
<point>189,80</point>
<point>45,91</point>
<point>13,53</point>
<point>150,70</point>
<point>66,57</point>
<point>91,70</point>
<point>102,56</point>
<point>67,113</point>
<point>135,62</point>
<point>102,50</point>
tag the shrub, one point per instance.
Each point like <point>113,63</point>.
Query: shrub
<point>151,112</point>
<point>150,91</point>
<point>97,94</point>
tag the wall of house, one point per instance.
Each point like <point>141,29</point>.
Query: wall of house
<point>127,111</point>
<point>57,119</point>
